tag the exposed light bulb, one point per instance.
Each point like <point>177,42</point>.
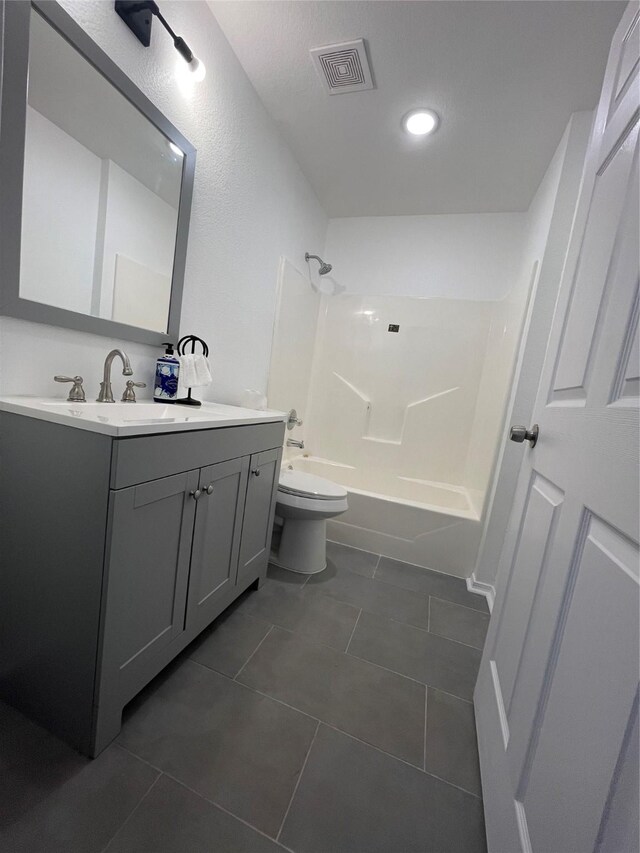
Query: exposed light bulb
<point>197,69</point>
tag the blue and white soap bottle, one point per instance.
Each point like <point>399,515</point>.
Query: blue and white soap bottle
<point>167,371</point>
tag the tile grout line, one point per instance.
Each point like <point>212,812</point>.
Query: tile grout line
<point>424,752</point>
<point>193,790</point>
<point>281,702</point>
<point>425,593</point>
<point>376,567</point>
<point>427,630</point>
<point>426,569</point>
<point>409,678</point>
<point>353,631</point>
<point>457,604</point>
<point>315,719</point>
<point>162,772</point>
<point>355,737</point>
<point>298,780</point>
<point>311,716</point>
<point>352,547</point>
<point>453,785</point>
<point>332,648</point>
<point>318,721</point>
<point>421,594</point>
<point>133,811</point>
<point>250,656</point>
<point>423,568</point>
<point>223,809</point>
<point>397,758</point>
<point>135,755</point>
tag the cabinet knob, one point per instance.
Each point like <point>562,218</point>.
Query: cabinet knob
<point>209,489</point>
<point>256,472</point>
<point>196,494</point>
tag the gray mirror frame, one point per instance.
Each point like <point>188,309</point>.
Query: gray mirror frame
<point>14,78</point>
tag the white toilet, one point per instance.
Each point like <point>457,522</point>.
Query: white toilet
<point>305,502</point>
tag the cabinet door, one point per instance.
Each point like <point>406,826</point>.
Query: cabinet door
<point>258,513</point>
<point>216,538</point>
<point>150,531</point>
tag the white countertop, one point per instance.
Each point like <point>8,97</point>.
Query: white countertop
<point>144,417</point>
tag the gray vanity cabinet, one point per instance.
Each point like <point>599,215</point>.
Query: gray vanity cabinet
<point>147,574</point>
<point>216,538</point>
<point>116,553</point>
<point>258,524</point>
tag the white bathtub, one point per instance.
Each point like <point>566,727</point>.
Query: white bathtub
<point>434,525</point>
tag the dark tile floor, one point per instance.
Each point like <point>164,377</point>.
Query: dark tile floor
<point>329,714</point>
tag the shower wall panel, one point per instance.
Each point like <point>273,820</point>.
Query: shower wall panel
<point>395,385</point>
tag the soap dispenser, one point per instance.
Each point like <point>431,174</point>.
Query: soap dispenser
<point>167,371</point>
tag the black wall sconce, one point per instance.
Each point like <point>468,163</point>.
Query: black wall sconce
<point>138,16</point>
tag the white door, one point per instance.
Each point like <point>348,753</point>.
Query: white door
<point>557,694</point>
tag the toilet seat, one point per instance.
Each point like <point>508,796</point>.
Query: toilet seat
<point>303,485</point>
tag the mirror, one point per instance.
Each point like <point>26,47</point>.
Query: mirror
<point>105,195</point>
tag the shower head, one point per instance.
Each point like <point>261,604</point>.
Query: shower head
<point>324,268</point>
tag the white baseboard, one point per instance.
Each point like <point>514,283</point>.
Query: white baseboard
<point>481,588</point>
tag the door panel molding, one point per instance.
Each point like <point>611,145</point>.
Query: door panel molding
<point>537,670</point>
<point>527,572</point>
<point>591,693</point>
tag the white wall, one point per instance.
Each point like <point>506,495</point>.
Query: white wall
<point>139,225</point>
<point>457,256</point>
<point>62,185</point>
<point>251,205</point>
<point>548,227</point>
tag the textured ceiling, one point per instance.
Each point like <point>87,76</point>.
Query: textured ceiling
<point>503,76</point>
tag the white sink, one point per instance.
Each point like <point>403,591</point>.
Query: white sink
<point>141,418</point>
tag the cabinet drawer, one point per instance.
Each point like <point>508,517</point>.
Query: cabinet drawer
<point>149,457</point>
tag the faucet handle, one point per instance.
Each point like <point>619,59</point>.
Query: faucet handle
<point>293,419</point>
<point>76,395</point>
<point>129,395</point>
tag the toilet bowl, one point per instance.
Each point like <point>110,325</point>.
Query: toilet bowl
<point>304,502</point>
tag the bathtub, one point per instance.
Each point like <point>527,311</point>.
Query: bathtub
<point>434,525</point>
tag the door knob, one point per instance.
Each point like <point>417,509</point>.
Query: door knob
<point>196,494</point>
<point>209,489</point>
<point>256,472</point>
<point>521,433</point>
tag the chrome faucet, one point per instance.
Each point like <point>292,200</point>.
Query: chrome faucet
<point>106,394</point>
<point>292,442</point>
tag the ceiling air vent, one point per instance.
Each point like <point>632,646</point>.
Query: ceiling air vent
<point>343,67</point>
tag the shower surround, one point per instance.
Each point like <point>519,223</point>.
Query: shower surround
<point>403,401</point>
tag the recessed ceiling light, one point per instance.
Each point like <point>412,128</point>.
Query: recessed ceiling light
<point>420,122</point>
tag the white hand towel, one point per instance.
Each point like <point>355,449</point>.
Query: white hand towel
<point>194,371</point>
<point>203,374</point>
